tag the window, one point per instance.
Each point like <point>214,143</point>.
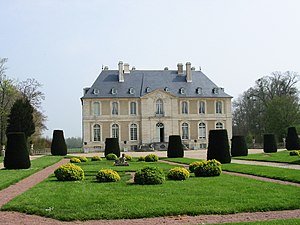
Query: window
<point>199,90</point>
<point>184,107</point>
<point>131,91</point>
<point>114,91</point>
<point>202,130</point>
<point>219,125</point>
<point>115,130</point>
<point>219,107</point>
<point>148,89</point>
<point>181,91</point>
<point>97,134</point>
<point>201,107</point>
<point>132,108</point>
<point>133,132</point>
<point>166,89</point>
<point>96,109</point>
<point>185,131</point>
<point>114,110</point>
<point>159,107</point>
<point>96,91</point>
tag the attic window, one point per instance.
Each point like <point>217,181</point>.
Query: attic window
<point>131,91</point>
<point>182,91</point>
<point>147,89</point>
<point>114,91</point>
<point>215,91</point>
<point>199,90</point>
<point>167,89</point>
<point>95,91</point>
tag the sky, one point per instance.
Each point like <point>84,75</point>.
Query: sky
<point>64,43</point>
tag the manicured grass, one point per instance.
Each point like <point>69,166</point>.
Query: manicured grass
<point>91,200</point>
<point>282,156</point>
<point>268,222</point>
<point>9,177</point>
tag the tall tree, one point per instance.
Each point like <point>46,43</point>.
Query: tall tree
<point>21,118</point>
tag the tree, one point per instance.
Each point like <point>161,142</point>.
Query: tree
<point>112,146</point>
<point>292,139</point>
<point>74,142</point>
<point>21,118</point>
<point>175,149</point>
<point>58,145</point>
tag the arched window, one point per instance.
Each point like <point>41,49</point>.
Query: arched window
<point>219,125</point>
<point>115,110</point>
<point>133,132</point>
<point>131,91</point>
<point>182,91</point>
<point>185,131</point>
<point>132,108</point>
<point>159,107</point>
<point>219,107</point>
<point>166,89</point>
<point>202,130</point>
<point>184,107</point>
<point>96,109</point>
<point>115,130</point>
<point>97,132</point>
<point>201,107</point>
<point>114,91</point>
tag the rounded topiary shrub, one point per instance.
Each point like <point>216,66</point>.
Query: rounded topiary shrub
<point>58,144</point>
<point>292,139</point>
<point>16,154</point>
<point>83,159</point>
<point>96,158</point>
<point>208,168</point>
<point>193,165</point>
<point>128,157</point>
<point>112,146</point>
<point>151,158</point>
<point>69,172</point>
<point>107,175</point>
<point>175,149</point>
<point>75,160</point>
<point>239,146</point>
<point>141,158</point>
<point>295,153</point>
<point>218,146</point>
<point>111,156</point>
<point>178,173</point>
<point>149,175</point>
<point>270,143</point>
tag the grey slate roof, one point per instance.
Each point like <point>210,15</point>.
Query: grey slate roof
<point>139,80</point>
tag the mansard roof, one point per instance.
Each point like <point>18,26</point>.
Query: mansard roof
<point>138,83</point>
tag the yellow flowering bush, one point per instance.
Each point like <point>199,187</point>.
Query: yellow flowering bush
<point>107,175</point>
<point>75,160</point>
<point>69,172</point>
<point>208,168</point>
<point>178,173</point>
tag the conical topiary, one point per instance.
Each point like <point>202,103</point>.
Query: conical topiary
<point>239,146</point>
<point>218,146</point>
<point>270,143</point>
<point>292,139</point>
<point>175,149</point>
<point>112,146</point>
<point>58,145</point>
<point>16,154</point>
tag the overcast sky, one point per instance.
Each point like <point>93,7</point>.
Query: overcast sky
<point>64,43</point>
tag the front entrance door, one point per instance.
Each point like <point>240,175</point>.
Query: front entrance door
<point>160,132</point>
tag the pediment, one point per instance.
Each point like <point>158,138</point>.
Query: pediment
<point>158,93</point>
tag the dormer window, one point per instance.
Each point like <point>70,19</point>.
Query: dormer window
<point>215,91</point>
<point>114,91</point>
<point>148,89</point>
<point>182,91</point>
<point>131,91</point>
<point>167,89</point>
<point>96,91</point>
<point>199,90</point>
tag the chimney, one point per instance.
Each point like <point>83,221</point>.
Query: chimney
<point>188,72</point>
<point>180,68</point>
<point>126,68</point>
<point>121,76</point>
<point>106,68</point>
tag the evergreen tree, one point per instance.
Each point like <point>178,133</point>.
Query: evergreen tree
<point>21,118</point>
<point>175,149</point>
<point>218,146</point>
<point>58,145</point>
<point>292,139</point>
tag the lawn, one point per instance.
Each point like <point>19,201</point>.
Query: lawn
<point>91,200</point>
<point>282,156</point>
<point>9,177</point>
<point>268,222</point>
<point>262,171</point>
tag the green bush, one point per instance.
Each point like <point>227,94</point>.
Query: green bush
<point>149,175</point>
<point>239,146</point>
<point>128,157</point>
<point>270,143</point>
<point>75,160</point>
<point>175,149</point>
<point>141,158</point>
<point>107,175</point>
<point>83,159</point>
<point>69,172</point>
<point>178,173</point>
<point>292,139</point>
<point>151,158</point>
<point>111,156</point>
<point>16,154</point>
<point>208,168</point>
<point>112,146</point>
<point>295,153</point>
<point>96,158</point>
<point>58,144</point>
<point>218,146</point>
<point>193,165</point>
